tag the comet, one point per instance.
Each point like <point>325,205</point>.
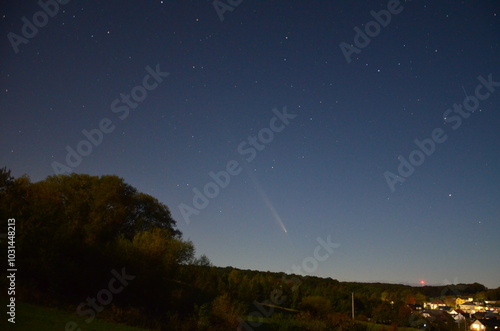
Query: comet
<point>267,201</point>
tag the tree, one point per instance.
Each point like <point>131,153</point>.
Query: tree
<point>5,178</point>
<point>316,305</point>
<point>87,224</point>
<point>157,247</point>
<point>202,261</point>
<point>97,209</point>
<point>148,213</point>
<point>383,313</point>
<point>226,312</point>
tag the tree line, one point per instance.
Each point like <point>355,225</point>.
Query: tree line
<point>73,229</point>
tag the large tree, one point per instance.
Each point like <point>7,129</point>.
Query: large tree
<point>74,229</point>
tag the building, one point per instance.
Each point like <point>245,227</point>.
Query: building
<point>434,305</point>
<point>460,301</point>
<point>485,325</point>
<point>459,318</point>
<point>472,307</point>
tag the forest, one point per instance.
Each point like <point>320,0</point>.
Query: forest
<point>81,237</point>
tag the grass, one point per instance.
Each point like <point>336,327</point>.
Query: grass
<point>377,327</point>
<point>29,317</point>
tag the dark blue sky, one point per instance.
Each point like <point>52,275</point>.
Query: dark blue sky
<point>317,174</point>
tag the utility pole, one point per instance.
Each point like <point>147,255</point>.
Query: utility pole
<point>352,305</point>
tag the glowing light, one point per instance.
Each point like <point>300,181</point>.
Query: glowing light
<point>422,282</point>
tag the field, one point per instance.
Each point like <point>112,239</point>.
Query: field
<point>378,327</point>
<point>29,317</point>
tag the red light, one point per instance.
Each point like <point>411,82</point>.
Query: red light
<point>422,282</point>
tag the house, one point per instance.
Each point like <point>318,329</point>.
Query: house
<point>491,314</point>
<point>459,314</point>
<point>485,325</point>
<point>445,308</point>
<point>415,307</point>
<point>472,307</point>
<point>461,321</point>
<point>456,311</point>
<point>460,301</point>
<point>434,305</point>
<point>479,316</point>
<point>459,318</point>
<point>436,315</point>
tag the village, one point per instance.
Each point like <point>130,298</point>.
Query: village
<point>467,313</point>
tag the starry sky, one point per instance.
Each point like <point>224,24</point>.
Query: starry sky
<point>308,118</point>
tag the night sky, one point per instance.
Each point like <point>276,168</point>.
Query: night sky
<point>309,122</point>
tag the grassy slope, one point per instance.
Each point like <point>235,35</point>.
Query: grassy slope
<point>29,317</point>
<point>376,327</point>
